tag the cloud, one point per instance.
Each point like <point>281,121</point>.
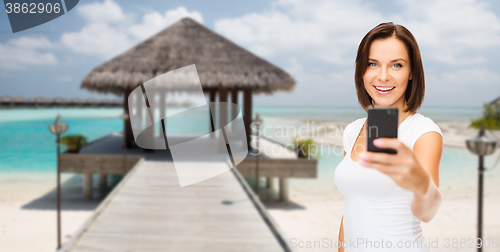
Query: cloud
<point>110,31</point>
<point>105,12</point>
<point>331,30</point>
<point>107,32</point>
<point>18,53</point>
<point>474,77</point>
<point>99,39</point>
<point>154,22</point>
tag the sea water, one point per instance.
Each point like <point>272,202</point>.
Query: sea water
<point>26,144</point>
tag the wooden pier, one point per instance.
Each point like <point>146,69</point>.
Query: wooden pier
<point>149,211</point>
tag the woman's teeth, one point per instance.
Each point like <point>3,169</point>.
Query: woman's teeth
<point>384,88</point>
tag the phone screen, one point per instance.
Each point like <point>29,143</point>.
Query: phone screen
<point>382,122</point>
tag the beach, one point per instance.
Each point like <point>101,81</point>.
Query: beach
<point>312,215</point>
<point>28,208</point>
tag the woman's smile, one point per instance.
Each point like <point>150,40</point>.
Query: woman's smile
<point>384,90</point>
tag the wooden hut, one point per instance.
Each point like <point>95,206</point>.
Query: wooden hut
<point>223,67</point>
<point>75,102</point>
<point>5,100</point>
<point>41,101</point>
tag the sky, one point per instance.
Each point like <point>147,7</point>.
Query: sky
<point>315,41</point>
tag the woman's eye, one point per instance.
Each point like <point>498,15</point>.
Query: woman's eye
<point>397,65</point>
<point>372,64</point>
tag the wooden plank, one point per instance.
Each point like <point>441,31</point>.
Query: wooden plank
<point>149,211</point>
<point>94,163</point>
<point>279,167</point>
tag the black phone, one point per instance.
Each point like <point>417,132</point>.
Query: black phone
<point>382,122</point>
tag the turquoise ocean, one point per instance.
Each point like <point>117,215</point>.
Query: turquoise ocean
<point>26,144</point>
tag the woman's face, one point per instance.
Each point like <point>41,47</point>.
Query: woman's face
<point>388,67</point>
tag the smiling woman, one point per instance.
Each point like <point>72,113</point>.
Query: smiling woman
<point>387,196</point>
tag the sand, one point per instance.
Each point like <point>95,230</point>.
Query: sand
<point>28,209</point>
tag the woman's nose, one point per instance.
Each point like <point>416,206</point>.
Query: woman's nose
<point>383,75</point>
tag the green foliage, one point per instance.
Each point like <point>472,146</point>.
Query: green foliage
<point>305,148</point>
<point>490,119</point>
<point>75,139</point>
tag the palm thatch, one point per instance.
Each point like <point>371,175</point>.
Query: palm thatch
<point>5,99</point>
<point>219,62</point>
<point>496,101</point>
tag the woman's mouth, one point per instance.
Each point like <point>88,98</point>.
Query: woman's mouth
<point>384,90</point>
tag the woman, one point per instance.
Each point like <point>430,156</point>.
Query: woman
<point>387,196</point>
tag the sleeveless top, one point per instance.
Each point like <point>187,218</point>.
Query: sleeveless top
<point>377,212</point>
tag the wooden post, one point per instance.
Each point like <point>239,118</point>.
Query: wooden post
<point>247,111</point>
<point>234,99</point>
<point>87,185</point>
<point>163,109</point>
<point>103,180</point>
<point>138,105</point>
<point>284,189</point>
<point>269,183</point>
<point>222,117</point>
<point>129,136</point>
<point>212,117</point>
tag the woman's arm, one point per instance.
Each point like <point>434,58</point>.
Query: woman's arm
<point>416,170</point>
<point>425,203</point>
<point>341,231</point>
<point>341,234</point>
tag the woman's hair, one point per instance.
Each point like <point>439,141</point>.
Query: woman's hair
<point>415,90</point>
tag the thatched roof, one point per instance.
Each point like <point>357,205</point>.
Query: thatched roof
<point>219,62</point>
<point>496,101</point>
<point>5,98</point>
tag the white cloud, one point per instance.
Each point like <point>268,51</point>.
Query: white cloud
<point>98,39</point>
<point>331,30</point>
<point>105,12</point>
<point>154,22</point>
<point>109,31</point>
<point>21,52</point>
<point>473,77</point>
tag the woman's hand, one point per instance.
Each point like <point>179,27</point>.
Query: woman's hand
<point>402,167</point>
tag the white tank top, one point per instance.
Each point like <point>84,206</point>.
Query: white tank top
<point>377,211</point>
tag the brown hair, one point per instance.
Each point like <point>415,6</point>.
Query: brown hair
<point>415,90</point>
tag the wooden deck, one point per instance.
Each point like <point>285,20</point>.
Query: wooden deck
<point>149,211</point>
<point>104,156</point>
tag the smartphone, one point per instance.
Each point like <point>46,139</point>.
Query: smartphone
<point>382,122</point>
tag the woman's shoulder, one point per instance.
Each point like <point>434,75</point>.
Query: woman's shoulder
<point>419,126</point>
<point>424,123</point>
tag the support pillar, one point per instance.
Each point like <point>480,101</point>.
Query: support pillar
<point>284,189</point>
<point>247,112</point>
<point>103,180</point>
<point>222,117</point>
<point>234,99</point>
<point>129,136</point>
<point>163,110</point>
<point>269,183</point>
<point>211,99</point>
<point>87,185</point>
